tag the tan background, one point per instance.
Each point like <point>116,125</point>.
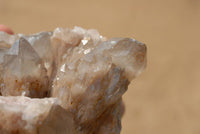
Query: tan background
<point>165,99</point>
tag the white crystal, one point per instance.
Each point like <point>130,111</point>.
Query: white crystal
<point>32,116</point>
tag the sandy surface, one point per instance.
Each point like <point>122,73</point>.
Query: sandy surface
<point>165,99</point>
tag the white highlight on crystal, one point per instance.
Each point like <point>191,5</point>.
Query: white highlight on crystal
<point>62,68</point>
<point>84,41</point>
<point>87,51</point>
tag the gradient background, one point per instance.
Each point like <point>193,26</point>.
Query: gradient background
<point>165,99</point>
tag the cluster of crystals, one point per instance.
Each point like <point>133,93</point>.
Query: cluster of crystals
<point>86,74</point>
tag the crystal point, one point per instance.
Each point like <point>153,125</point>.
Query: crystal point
<point>23,71</point>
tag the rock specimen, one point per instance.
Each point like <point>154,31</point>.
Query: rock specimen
<point>69,81</point>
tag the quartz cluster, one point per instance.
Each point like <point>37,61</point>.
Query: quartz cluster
<point>69,81</point>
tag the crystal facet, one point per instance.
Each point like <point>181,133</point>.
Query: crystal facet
<point>69,81</point>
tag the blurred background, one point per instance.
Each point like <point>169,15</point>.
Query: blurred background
<point>165,99</point>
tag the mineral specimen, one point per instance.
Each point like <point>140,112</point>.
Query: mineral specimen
<point>69,81</point>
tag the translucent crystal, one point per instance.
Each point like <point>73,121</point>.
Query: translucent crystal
<point>97,78</point>
<point>42,44</point>
<point>126,53</point>
<point>23,72</point>
<point>83,74</point>
<point>6,40</point>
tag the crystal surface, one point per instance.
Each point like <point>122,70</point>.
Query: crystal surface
<point>22,115</point>
<point>69,81</point>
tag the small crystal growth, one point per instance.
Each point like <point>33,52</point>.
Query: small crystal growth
<point>69,81</point>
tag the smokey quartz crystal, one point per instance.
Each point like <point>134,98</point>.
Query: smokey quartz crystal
<point>69,81</point>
